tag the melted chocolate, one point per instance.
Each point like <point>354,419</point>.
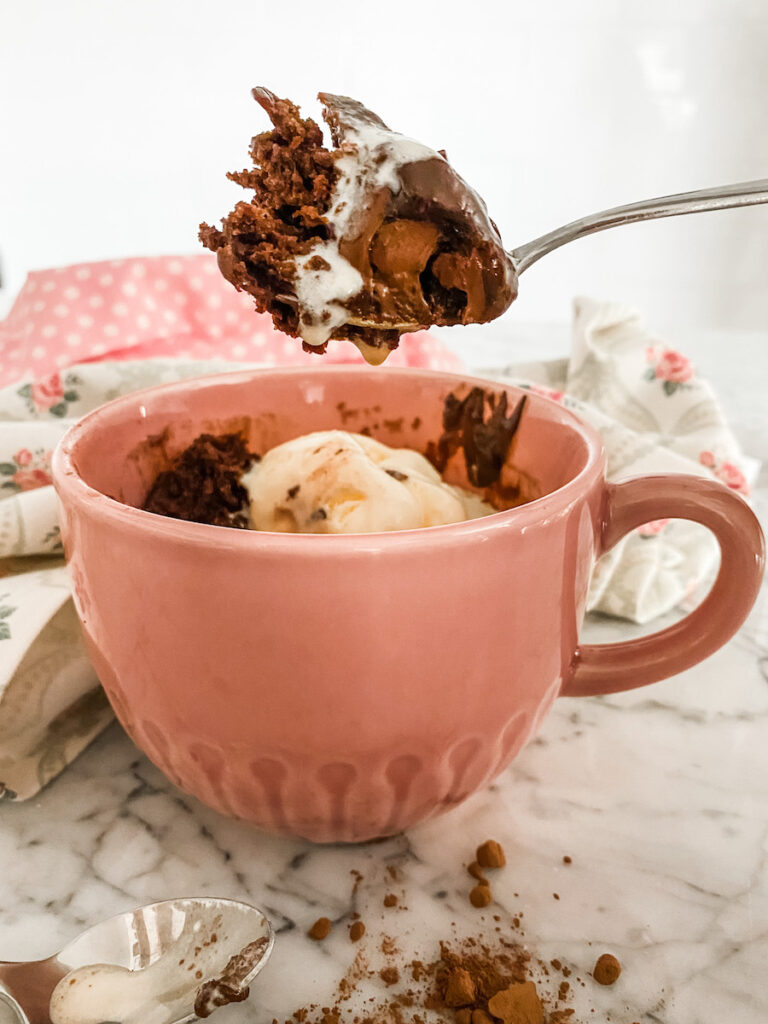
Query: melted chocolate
<point>484,441</point>
<point>229,987</point>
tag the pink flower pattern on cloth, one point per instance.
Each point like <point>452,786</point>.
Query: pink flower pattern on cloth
<point>726,472</point>
<point>670,368</point>
<point>177,306</point>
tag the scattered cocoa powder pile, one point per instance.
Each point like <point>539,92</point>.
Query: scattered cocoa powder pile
<point>607,969</point>
<point>470,982</point>
<point>320,930</point>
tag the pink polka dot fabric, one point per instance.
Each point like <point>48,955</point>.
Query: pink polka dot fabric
<point>159,306</point>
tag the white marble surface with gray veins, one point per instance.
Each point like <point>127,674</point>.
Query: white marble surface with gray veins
<point>659,796</point>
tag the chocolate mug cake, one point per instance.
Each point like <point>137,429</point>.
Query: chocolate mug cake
<point>365,241</point>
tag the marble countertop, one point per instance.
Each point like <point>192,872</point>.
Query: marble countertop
<point>658,796</point>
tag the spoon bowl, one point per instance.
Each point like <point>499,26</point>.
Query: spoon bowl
<point>165,963</point>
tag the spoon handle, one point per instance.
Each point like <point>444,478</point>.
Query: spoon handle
<point>746,193</point>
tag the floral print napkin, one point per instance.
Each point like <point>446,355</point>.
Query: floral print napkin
<point>80,336</point>
<point>656,415</point>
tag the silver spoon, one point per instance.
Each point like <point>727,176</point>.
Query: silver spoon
<point>746,193</point>
<point>166,963</point>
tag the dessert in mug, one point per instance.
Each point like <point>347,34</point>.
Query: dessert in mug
<point>334,481</point>
<point>330,481</point>
<point>364,241</point>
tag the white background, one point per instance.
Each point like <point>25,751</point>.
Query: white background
<point>118,121</point>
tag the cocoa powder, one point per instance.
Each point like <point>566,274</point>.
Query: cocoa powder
<point>487,978</point>
<point>389,975</point>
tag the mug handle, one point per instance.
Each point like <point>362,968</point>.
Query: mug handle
<point>611,668</point>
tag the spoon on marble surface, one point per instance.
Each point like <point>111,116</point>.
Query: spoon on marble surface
<point>165,963</point>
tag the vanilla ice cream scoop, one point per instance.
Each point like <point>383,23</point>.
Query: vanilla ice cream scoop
<point>333,481</point>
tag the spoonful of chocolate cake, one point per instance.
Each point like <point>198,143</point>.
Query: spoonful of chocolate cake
<point>378,235</point>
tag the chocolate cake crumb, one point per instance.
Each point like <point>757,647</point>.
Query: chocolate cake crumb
<point>390,900</point>
<point>491,855</point>
<point>607,969</point>
<point>567,859</point>
<point>480,896</point>
<point>477,872</point>
<point>356,931</point>
<point>320,930</point>
<point>389,975</point>
<point>203,485</point>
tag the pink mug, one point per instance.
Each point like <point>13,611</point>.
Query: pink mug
<point>347,687</point>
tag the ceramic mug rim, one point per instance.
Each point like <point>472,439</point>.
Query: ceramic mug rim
<point>70,485</point>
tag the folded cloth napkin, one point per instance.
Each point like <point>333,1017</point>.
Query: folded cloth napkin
<point>80,336</point>
<point>656,415</point>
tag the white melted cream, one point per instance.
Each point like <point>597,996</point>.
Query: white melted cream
<point>333,481</point>
<point>372,159</point>
<point>160,993</point>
